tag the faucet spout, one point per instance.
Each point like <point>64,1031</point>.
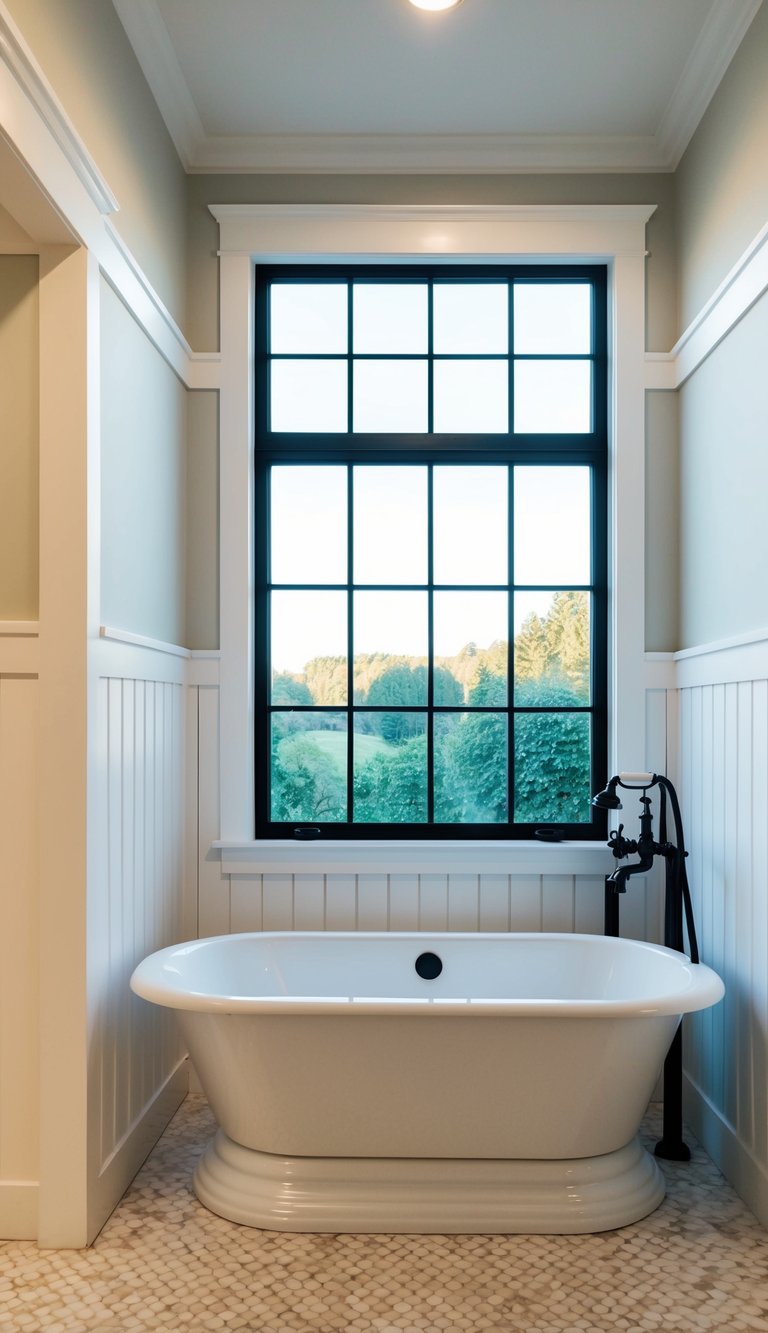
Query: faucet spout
<point>623,873</point>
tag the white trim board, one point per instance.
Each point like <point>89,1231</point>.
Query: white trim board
<point>720,37</point>
<point>719,1139</point>
<point>413,857</point>
<point>740,289</point>
<point>309,232</point>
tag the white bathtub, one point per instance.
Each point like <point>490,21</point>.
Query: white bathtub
<point>504,1095</point>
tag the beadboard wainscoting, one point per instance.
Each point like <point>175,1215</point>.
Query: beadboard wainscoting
<point>19,973</point>
<point>137,1070</point>
<point>723,778</point>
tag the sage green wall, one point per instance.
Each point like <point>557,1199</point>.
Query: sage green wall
<point>84,52</point>
<point>19,390</point>
<point>722,180</point>
<point>724,488</point>
<point>143,481</point>
<point>203,232</point>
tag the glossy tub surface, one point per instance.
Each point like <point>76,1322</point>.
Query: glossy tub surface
<point>527,1048</point>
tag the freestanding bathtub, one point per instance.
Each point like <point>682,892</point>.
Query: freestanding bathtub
<point>427,1083</point>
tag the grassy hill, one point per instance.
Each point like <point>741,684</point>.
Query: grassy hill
<point>334,744</point>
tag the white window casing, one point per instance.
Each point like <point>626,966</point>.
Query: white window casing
<point>295,234</point>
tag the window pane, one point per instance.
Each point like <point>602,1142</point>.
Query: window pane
<point>552,752</point>
<point>470,636</point>
<point>390,396</point>
<point>308,317</point>
<point>553,317</point>
<point>552,649</point>
<point>552,525</point>
<point>390,524</point>
<point>390,317</point>
<point>308,396</point>
<point>470,525</point>
<point>308,525</point>
<point>553,397</point>
<point>390,648</point>
<point>309,766</point>
<point>390,783</point>
<point>471,317</point>
<point>308,627</point>
<point>471,397</point>
<point>471,768</point>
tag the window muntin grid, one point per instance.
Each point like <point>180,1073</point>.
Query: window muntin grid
<point>430,713</point>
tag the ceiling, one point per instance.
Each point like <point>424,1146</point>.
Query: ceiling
<point>376,85</point>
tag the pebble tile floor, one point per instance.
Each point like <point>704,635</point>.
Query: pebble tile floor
<point>163,1262</point>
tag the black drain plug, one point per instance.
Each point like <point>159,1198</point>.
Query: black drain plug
<point>429,966</point>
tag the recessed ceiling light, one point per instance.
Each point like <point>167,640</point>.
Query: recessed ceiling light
<point>436,4</point>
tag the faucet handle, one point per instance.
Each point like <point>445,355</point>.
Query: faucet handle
<point>619,845</point>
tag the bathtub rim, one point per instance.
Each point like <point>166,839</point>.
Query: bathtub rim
<point>148,981</point>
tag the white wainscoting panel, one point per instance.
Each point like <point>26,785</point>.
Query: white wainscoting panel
<point>724,791</point>
<point>19,1083</point>
<point>137,1074</point>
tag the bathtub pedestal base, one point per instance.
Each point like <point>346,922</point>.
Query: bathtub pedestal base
<point>439,1196</point>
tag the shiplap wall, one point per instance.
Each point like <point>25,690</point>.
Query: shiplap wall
<point>723,758</point>
<point>142,903</point>
<point>19,1083</point>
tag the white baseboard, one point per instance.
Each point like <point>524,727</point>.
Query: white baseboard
<point>120,1168</point>
<point>18,1209</point>
<point>748,1176</point>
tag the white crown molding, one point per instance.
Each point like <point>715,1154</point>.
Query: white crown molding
<point>154,51</point>
<point>431,154</point>
<point>425,154</point>
<point>16,55</point>
<point>718,41</point>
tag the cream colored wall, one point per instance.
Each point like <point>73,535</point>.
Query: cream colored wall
<point>723,488</point>
<point>143,482</point>
<point>722,180</point>
<point>662,502</point>
<point>18,437</point>
<point>202,235</point>
<point>84,52</point>
<point>202,519</point>
<point>722,193</point>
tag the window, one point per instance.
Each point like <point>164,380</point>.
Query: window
<point>430,550</point>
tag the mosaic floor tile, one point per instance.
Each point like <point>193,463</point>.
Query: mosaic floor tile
<point>699,1264</point>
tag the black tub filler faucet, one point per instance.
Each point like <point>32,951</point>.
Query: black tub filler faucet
<point>677,905</point>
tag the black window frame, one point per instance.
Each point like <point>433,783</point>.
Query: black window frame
<point>508,448</point>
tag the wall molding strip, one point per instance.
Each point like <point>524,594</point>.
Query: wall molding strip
<point>18,57</point>
<point>746,1173</point>
<point>737,293</point>
<point>19,629</point>
<point>428,154</point>
<point>143,641</point>
<point>121,1166</point>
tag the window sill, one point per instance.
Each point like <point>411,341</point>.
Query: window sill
<point>394,856</point>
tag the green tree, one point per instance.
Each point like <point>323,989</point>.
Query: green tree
<point>306,784</point>
<point>392,788</point>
